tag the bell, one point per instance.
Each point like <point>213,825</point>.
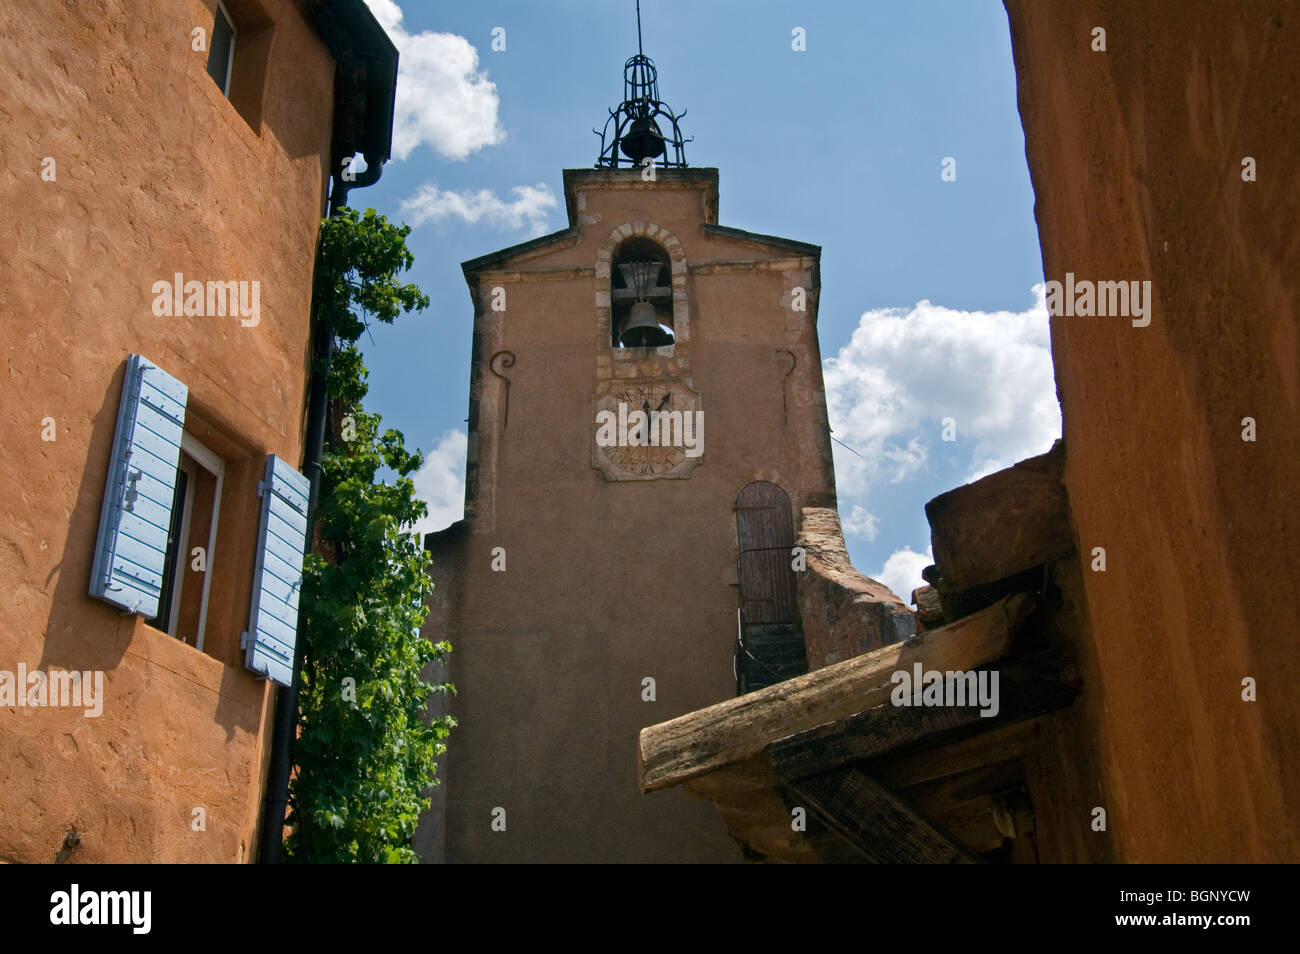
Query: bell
<point>643,330</point>
<point>643,140</point>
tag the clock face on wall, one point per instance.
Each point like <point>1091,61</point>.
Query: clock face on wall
<point>646,429</point>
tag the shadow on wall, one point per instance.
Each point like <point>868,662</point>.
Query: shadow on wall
<point>445,549</point>
<point>76,632</point>
<point>82,633</point>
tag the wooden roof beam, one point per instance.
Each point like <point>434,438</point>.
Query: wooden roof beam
<point>1027,688</point>
<point>732,733</point>
<point>877,822</point>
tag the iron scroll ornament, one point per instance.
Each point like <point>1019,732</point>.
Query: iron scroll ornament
<point>506,359</point>
<point>786,362</point>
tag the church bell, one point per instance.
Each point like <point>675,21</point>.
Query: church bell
<point>643,140</point>
<point>642,329</point>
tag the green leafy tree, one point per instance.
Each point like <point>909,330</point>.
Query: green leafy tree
<point>364,755</point>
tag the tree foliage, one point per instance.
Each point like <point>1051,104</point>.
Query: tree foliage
<point>363,756</point>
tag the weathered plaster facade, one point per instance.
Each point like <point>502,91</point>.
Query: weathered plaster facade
<point>155,172</point>
<point>1136,155</point>
<point>608,582</point>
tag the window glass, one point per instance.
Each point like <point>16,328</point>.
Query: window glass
<point>169,580</point>
<point>182,605</point>
<point>221,50</point>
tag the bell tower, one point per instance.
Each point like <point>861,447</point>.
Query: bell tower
<point>647,424</point>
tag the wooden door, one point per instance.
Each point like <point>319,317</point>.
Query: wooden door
<point>765,532</point>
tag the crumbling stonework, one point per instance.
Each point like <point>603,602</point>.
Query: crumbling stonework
<point>844,613</point>
<point>1002,524</point>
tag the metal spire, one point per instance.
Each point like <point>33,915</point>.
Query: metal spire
<point>633,135</point>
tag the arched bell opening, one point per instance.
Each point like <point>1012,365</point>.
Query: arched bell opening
<point>641,296</point>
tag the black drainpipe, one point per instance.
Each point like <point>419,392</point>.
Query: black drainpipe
<point>285,728</point>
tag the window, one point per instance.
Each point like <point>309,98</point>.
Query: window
<point>641,297</point>
<point>221,50</point>
<point>182,501</point>
<point>191,543</point>
<point>158,527</point>
<point>239,53</point>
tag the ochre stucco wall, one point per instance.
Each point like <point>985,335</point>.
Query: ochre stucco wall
<point>157,173</point>
<point>610,582</point>
<point>1136,158</point>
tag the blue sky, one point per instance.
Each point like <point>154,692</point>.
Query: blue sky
<point>928,306</point>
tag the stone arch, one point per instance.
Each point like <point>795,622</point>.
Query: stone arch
<point>677,267</point>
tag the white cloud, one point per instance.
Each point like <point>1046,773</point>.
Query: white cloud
<point>440,482</point>
<point>906,369</point>
<point>443,98</point>
<point>905,460</point>
<point>529,207</point>
<point>902,571</point>
<point>860,523</point>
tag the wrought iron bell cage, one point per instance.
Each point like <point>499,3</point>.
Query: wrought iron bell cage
<point>643,126</point>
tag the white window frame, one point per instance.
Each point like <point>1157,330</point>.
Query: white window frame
<point>217,467</point>
<point>182,538</point>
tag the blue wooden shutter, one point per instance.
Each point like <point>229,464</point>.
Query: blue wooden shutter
<point>135,518</point>
<point>277,578</point>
